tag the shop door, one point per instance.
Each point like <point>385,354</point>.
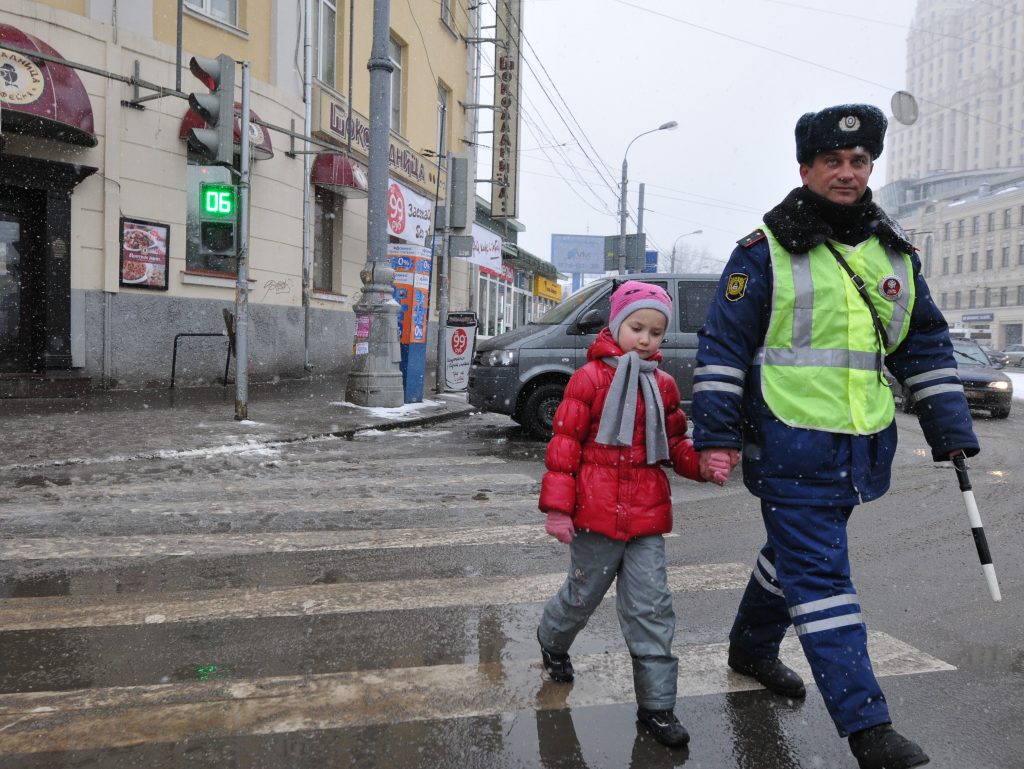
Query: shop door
<point>22,219</point>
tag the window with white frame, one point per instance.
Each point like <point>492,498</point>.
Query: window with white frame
<point>443,100</point>
<point>325,35</point>
<point>221,10</point>
<point>396,54</point>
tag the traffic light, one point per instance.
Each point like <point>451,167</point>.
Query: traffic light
<point>217,218</point>
<point>217,108</point>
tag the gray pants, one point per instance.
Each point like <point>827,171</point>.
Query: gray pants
<point>643,602</point>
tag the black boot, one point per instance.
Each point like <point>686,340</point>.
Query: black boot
<point>665,727</point>
<point>882,747</point>
<point>559,666</point>
<point>769,672</point>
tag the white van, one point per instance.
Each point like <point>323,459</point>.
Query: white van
<point>523,372</point>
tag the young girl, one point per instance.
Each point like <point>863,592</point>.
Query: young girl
<point>608,498</point>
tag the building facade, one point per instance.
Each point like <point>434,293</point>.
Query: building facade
<point>105,253</point>
<point>956,174</point>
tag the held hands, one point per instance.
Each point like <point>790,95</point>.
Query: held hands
<point>716,464</point>
<point>559,526</point>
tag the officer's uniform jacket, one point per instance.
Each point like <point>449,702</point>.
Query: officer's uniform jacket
<point>796,465</point>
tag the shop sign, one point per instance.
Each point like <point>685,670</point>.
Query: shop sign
<point>504,164</point>
<point>402,161</point>
<point>486,248</point>
<point>547,289</point>
<point>22,81</point>
<point>505,273</point>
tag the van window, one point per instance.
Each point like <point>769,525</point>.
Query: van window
<point>693,301</point>
<point>568,306</point>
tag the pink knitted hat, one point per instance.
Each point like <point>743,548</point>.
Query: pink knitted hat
<point>635,295</point>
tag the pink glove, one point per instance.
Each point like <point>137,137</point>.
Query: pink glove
<point>716,464</point>
<point>559,526</point>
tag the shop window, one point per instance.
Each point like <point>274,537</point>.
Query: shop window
<point>198,257</point>
<point>325,35</point>
<point>221,10</point>
<point>326,234</point>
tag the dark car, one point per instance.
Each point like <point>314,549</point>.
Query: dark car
<point>985,386</point>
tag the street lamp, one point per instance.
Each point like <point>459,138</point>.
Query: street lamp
<point>676,241</point>
<point>622,194</point>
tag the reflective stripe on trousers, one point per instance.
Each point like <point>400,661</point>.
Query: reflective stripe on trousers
<point>802,578</point>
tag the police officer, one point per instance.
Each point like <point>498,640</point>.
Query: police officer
<point>790,373</point>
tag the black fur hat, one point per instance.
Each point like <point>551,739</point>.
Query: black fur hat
<point>840,127</point>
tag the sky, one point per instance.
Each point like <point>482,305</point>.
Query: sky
<point>734,74</point>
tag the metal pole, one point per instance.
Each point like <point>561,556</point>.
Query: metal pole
<point>242,286</point>
<point>307,97</point>
<point>440,261</point>
<point>375,378</point>
<point>977,530</point>
<point>622,216</point>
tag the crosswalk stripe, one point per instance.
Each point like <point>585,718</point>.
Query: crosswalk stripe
<point>261,543</point>
<point>94,719</point>
<point>342,598</point>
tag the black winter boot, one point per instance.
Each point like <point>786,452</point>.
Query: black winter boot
<point>769,672</point>
<point>559,666</point>
<point>665,727</point>
<point>882,747</point>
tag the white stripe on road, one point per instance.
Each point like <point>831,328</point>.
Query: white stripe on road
<point>117,717</point>
<point>246,544</point>
<point>302,600</point>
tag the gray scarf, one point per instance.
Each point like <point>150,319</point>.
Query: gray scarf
<point>619,414</point>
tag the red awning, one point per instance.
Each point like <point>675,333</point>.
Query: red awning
<point>41,98</point>
<point>259,137</point>
<point>341,174</point>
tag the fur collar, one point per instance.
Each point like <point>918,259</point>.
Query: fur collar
<point>805,220</point>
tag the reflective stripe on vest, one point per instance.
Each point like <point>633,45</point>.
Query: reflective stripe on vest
<point>822,353</point>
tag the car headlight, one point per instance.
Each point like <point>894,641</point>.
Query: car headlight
<point>999,385</point>
<point>498,358</point>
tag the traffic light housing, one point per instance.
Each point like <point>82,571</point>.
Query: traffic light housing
<point>217,218</point>
<point>217,108</point>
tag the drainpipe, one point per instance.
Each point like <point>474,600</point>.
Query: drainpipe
<point>307,97</point>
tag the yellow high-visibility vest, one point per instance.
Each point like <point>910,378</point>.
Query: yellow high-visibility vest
<point>822,356</point>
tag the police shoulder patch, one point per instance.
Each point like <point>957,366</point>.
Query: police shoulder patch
<point>748,240</point>
<point>736,287</point>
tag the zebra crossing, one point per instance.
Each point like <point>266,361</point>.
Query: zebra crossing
<point>42,719</point>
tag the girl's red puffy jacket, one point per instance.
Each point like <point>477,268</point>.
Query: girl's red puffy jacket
<point>607,489</point>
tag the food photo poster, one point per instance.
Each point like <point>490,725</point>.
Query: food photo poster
<point>144,249</point>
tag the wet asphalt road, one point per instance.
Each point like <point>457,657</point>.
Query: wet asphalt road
<point>372,603</point>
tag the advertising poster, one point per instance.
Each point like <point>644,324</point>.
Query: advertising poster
<point>459,341</point>
<point>144,249</point>
<point>411,289</point>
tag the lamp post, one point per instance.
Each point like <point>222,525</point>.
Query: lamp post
<point>676,241</point>
<point>622,193</point>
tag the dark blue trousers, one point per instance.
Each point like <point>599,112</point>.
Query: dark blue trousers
<point>802,578</point>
